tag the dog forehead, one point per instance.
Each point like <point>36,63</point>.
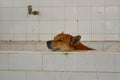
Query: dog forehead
<point>62,36</point>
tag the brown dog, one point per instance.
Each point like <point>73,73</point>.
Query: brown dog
<point>66,42</point>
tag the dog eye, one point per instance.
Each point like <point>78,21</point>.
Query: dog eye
<point>60,40</point>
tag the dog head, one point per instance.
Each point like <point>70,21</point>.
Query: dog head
<point>63,42</point>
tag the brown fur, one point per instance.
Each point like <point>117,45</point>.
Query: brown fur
<point>67,42</point>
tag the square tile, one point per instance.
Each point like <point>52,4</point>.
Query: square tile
<point>86,62</point>
<point>45,3</point>
<point>33,3</point>
<point>112,37</point>
<point>32,37</point>
<point>84,2</point>
<point>98,27</point>
<point>71,13</point>
<point>98,37</point>
<point>25,61</point>
<point>19,3</point>
<point>111,2</point>
<point>85,27</point>
<point>60,62</point>
<point>108,76</point>
<point>117,63</point>
<point>3,61</point>
<point>32,27</point>
<point>84,13</point>
<point>58,13</point>
<point>105,62</point>
<point>22,13</point>
<point>112,27</point>
<point>45,13</point>
<point>42,76</point>
<point>8,13</point>
<point>20,37</point>
<point>57,2</point>
<point>45,37</point>
<point>98,13</point>
<point>7,3</point>
<point>111,12</point>
<point>98,2</point>
<point>20,27</point>
<point>45,27</point>
<point>57,26</point>
<point>70,2</point>
<point>7,27</point>
<point>11,75</point>
<point>71,27</point>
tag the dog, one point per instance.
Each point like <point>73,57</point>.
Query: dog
<point>66,42</point>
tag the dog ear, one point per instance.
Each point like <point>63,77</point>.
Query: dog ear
<point>75,40</point>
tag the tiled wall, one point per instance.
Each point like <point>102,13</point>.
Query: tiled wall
<point>52,66</point>
<point>96,20</point>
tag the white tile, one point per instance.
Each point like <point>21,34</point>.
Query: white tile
<point>0,14</point>
<point>78,76</point>
<point>60,62</point>
<point>45,37</point>
<point>71,27</point>
<point>84,13</point>
<point>57,13</point>
<point>3,61</point>
<point>98,27</point>
<point>108,76</point>
<point>7,3</point>
<point>112,37</point>
<point>98,2</point>
<point>57,26</point>
<point>86,62</point>
<point>105,62</point>
<point>25,61</point>
<point>98,37</point>
<point>8,36</point>
<point>33,3</point>
<point>112,27</point>
<point>111,2</point>
<point>87,76</point>
<point>45,3</point>
<point>7,13</point>
<point>20,37</point>
<point>9,75</point>
<point>20,13</point>
<point>43,76</point>
<point>7,27</point>
<point>45,13</point>
<point>98,13</point>
<point>32,27</point>
<point>111,12</point>
<point>70,2</point>
<point>70,12</point>
<point>84,2</point>
<point>117,63</point>
<point>86,37</point>
<point>85,27</point>
<point>19,3</point>
<point>20,27</point>
<point>57,2</point>
<point>96,45</point>
<point>45,27</point>
<point>31,37</point>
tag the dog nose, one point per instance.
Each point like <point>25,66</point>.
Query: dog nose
<point>49,44</point>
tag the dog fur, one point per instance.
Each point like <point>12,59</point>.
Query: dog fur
<point>66,42</point>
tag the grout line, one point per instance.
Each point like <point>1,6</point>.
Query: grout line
<point>60,71</point>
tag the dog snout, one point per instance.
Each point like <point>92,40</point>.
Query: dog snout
<point>49,44</point>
